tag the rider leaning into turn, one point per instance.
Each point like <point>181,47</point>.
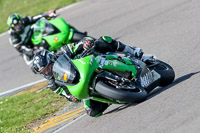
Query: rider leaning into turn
<point>43,62</point>
<point>20,31</point>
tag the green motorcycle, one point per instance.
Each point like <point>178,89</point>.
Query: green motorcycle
<point>109,78</point>
<point>53,34</point>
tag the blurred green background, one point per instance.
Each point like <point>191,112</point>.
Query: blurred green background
<point>28,8</point>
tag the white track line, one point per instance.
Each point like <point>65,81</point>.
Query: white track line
<point>18,89</point>
<point>3,34</point>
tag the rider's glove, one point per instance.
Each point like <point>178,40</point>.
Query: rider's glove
<point>138,52</point>
<point>52,13</point>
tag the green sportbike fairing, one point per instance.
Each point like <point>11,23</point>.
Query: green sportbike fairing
<point>111,78</point>
<point>53,34</point>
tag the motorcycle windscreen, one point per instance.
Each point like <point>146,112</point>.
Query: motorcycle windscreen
<point>64,71</point>
<point>41,28</point>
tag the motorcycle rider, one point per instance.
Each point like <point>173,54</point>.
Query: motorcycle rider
<point>43,62</point>
<point>20,31</point>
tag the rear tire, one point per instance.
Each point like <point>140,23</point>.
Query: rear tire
<point>120,95</point>
<point>166,71</point>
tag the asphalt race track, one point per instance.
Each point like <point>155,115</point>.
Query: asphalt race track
<point>168,29</point>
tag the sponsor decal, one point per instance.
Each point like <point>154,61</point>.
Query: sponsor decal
<point>14,21</point>
<point>91,60</point>
<point>102,62</point>
<point>36,60</point>
<point>106,63</point>
<point>81,61</point>
<point>41,69</point>
<point>114,64</point>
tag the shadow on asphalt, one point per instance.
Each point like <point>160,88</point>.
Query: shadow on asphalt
<point>120,108</point>
<point>176,81</point>
<point>116,38</point>
<point>155,92</point>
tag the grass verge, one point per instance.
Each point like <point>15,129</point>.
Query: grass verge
<point>28,8</point>
<point>19,113</point>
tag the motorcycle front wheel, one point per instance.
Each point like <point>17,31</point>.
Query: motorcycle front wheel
<point>111,92</point>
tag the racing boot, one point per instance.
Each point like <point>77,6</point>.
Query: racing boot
<point>94,108</point>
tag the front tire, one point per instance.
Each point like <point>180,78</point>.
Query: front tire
<point>120,95</point>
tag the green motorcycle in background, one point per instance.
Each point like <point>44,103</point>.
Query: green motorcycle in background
<point>109,78</point>
<point>53,34</point>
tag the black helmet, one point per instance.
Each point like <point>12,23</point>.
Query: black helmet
<point>16,23</point>
<point>43,61</point>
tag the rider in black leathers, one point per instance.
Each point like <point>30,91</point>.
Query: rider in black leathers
<point>20,31</point>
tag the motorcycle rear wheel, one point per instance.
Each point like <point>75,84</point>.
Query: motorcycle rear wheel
<point>166,71</point>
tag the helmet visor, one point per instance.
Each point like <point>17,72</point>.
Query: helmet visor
<point>47,71</point>
<point>17,27</point>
